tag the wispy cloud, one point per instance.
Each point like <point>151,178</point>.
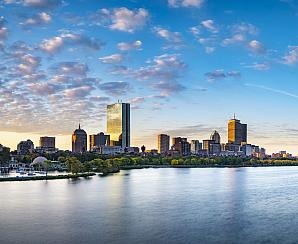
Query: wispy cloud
<point>282,92</point>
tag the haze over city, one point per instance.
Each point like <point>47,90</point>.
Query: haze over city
<point>185,66</point>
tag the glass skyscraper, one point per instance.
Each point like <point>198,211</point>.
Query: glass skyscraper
<point>118,124</point>
<point>237,132</point>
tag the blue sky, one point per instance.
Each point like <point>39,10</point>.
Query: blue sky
<point>186,66</point>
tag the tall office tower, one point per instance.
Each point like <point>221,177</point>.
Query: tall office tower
<point>79,140</point>
<point>237,132</point>
<point>195,146</point>
<point>47,142</point>
<point>215,137</point>
<point>98,140</point>
<point>181,145</point>
<point>163,143</point>
<point>118,124</point>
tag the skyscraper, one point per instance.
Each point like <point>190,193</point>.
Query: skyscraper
<point>237,132</point>
<point>118,124</point>
<point>163,143</point>
<point>98,140</point>
<point>79,140</point>
<point>181,145</point>
<point>215,136</point>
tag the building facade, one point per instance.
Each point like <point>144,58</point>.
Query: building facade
<point>97,140</point>
<point>163,143</point>
<point>47,142</point>
<point>237,132</point>
<point>181,145</point>
<point>79,141</point>
<point>118,124</point>
<point>25,147</point>
<point>195,146</point>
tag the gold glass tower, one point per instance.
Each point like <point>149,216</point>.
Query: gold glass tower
<point>118,124</point>
<point>237,132</point>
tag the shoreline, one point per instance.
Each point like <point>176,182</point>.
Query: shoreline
<point>49,177</point>
<point>131,167</point>
<point>204,166</point>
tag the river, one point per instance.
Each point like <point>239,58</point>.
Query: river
<point>200,205</point>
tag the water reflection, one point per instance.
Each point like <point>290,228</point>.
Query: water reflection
<point>219,205</point>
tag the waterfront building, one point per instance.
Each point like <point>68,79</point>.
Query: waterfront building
<point>97,140</point>
<point>25,147</point>
<point>237,132</point>
<point>281,154</point>
<point>118,124</point>
<point>195,146</point>
<point>211,147</point>
<point>79,140</point>
<point>181,145</point>
<point>109,150</point>
<point>163,143</point>
<point>230,147</point>
<point>246,149</point>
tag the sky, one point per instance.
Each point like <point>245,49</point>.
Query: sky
<point>186,66</point>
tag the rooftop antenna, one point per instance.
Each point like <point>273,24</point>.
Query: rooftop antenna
<point>234,116</point>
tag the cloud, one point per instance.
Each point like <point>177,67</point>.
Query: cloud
<point>259,66</point>
<point>37,20</point>
<point>78,92</point>
<point>256,47</point>
<point>121,19</point>
<point>71,68</point>
<point>209,25</point>
<point>245,28</point>
<point>173,39</point>
<point>209,49</point>
<point>111,59</point>
<point>185,3</point>
<point>161,73</point>
<point>137,100</point>
<point>220,74</point>
<point>3,29</point>
<point>126,46</point>
<point>28,64</point>
<point>47,4</point>
<point>55,44</point>
<point>291,57</point>
<point>52,45</point>
<point>237,38</point>
<point>167,88</point>
<point>116,88</point>
<point>194,30</point>
<point>282,92</point>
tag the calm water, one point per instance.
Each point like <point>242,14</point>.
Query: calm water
<point>246,205</point>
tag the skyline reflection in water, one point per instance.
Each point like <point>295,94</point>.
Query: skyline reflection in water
<point>214,205</point>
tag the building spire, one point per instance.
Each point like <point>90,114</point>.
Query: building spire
<point>79,126</point>
<point>234,116</point>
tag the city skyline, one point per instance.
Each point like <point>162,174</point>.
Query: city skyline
<point>62,62</point>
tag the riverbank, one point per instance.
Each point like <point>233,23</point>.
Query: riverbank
<point>49,177</point>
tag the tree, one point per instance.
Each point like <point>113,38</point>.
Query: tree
<point>47,165</point>
<point>73,165</point>
<point>174,162</point>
